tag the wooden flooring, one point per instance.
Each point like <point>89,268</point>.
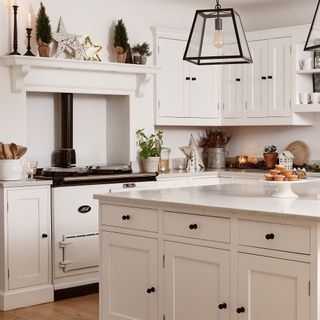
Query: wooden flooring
<point>81,308</point>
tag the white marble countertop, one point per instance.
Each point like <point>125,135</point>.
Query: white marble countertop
<point>253,197</point>
<point>24,183</point>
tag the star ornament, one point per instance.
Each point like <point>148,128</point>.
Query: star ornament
<point>67,44</point>
<point>91,50</point>
<point>193,152</point>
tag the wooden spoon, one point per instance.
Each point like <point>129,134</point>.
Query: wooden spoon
<point>21,151</point>
<point>2,157</point>
<point>14,150</point>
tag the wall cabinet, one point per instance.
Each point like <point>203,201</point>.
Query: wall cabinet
<point>25,247</point>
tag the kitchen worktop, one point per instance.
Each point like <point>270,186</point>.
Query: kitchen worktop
<point>254,198</point>
<point>24,183</point>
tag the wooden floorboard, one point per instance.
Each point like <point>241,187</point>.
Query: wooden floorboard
<point>81,308</point>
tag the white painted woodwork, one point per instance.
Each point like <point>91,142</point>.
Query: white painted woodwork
<point>139,219</point>
<point>271,288</point>
<point>286,237</point>
<point>256,87</point>
<point>129,266</point>
<point>204,181</point>
<point>208,228</point>
<point>197,280</point>
<point>279,68</point>
<point>28,252</point>
<point>173,89</point>
<point>173,183</point>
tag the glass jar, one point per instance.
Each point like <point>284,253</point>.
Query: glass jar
<point>164,160</point>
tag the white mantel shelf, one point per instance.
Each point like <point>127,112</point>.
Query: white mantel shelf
<point>63,75</point>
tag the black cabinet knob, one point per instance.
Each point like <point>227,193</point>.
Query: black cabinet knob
<point>193,226</point>
<point>193,78</point>
<point>241,310</point>
<point>44,235</point>
<point>222,306</point>
<point>238,79</point>
<point>187,78</point>
<point>264,78</point>
<point>152,289</point>
<point>270,236</point>
<point>126,217</point>
<point>269,77</point>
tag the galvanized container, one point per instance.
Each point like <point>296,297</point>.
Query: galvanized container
<point>216,158</point>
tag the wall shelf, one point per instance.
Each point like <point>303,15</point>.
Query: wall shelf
<point>310,71</point>
<point>63,75</point>
<point>306,108</point>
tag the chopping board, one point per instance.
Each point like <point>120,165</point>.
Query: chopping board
<point>300,151</point>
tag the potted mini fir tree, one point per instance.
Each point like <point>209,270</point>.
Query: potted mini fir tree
<point>270,156</point>
<point>150,149</point>
<point>143,51</point>
<point>120,43</point>
<point>43,32</point>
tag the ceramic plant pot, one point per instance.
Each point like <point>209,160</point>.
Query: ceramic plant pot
<point>270,159</point>
<point>151,164</point>
<point>43,49</point>
<point>140,60</point>
<point>216,158</point>
<point>10,170</point>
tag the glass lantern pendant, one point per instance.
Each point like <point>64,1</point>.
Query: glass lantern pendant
<point>313,40</point>
<point>217,37</point>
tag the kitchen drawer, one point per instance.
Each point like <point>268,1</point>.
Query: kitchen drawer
<point>131,218</point>
<point>194,226</point>
<point>274,236</point>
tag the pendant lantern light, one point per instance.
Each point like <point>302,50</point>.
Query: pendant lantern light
<point>313,40</point>
<point>217,37</point>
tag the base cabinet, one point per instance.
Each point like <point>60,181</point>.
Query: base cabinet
<point>129,266</point>
<point>271,288</point>
<point>197,282</point>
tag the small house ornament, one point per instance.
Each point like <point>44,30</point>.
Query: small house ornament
<point>286,159</point>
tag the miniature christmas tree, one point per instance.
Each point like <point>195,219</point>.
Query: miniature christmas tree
<point>44,33</point>
<point>121,36</point>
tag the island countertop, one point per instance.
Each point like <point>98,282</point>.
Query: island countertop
<point>254,198</point>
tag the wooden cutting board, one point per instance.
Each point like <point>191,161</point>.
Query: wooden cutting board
<point>300,151</point>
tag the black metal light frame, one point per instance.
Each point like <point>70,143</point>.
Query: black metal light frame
<point>306,48</point>
<point>198,60</point>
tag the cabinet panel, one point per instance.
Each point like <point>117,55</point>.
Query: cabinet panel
<point>197,280</point>
<point>129,268</point>
<point>257,83</point>
<point>28,251</point>
<point>279,77</point>
<point>172,86</point>
<point>272,288</point>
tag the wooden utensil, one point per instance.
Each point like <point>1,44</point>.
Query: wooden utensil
<point>300,151</point>
<point>2,157</point>
<point>7,151</point>
<point>21,151</point>
<point>13,148</point>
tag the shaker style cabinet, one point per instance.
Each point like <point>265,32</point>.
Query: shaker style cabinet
<point>25,246</point>
<point>184,90</point>
<point>197,282</point>
<point>130,267</point>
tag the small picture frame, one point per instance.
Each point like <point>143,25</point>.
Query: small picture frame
<point>316,77</point>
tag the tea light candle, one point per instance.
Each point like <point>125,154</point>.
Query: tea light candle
<point>243,159</point>
<point>29,20</point>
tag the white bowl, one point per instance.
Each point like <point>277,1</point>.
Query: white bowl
<point>10,170</point>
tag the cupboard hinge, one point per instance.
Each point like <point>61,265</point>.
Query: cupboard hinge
<point>218,105</point>
<point>158,104</point>
<point>158,49</point>
<point>309,288</point>
<point>164,261</point>
<point>7,206</point>
<point>246,105</point>
<point>8,273</point>
<point>164,317</point>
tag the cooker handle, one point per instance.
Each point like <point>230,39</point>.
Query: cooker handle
<point>129,185</point>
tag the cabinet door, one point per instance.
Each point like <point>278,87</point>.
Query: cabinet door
<point>129,269</point>
<point>257,80</point>
<point>279,77</point>
<point>271,288</point>
<point>204,91</point>
<point>233,91</point>
<point>28,245</point>
<point>172,86</point>
<point>197,281</point>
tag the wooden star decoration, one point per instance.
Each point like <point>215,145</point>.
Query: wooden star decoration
<point>194,154</point>
<point>67,44</point>
<point>91,50</point>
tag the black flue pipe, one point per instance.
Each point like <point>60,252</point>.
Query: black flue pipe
<point>66,120</point>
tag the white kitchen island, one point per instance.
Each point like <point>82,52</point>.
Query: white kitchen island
<point>221,252</point>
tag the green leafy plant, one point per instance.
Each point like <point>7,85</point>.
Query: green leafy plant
<point>215,138</point>
<point>43,26</point>
<point>121,36</point>
<point>270,149</point>
<point>142,49</point>
<point>149,146</point>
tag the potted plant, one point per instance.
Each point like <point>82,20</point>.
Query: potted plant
<point>270,156</point>
<point>150,149</point>
<point>120,42</point>
<point>43,32</point>
<point>214,142</point>
<point>143,51</point>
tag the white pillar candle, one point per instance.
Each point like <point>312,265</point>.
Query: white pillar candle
<point>14,2</point>
<point>29,20</point>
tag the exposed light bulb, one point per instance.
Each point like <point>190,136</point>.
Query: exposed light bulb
<point>218,37</point>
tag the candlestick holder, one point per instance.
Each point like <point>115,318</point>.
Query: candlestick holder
<point>15,31</point>
<point>29,53</point>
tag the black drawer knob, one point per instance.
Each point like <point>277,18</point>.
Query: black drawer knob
<point>222,306</point>
<point>264,78</point>
<point>193,226</point>
<point>188,78</point>
<point>238,79</point>
<point>193,78</point>
<point>270,77</point>
<point>270,236</point>
<point>241,310</point>
<point>126,217</point>
<point>150,290</point>
<point>44,235</point>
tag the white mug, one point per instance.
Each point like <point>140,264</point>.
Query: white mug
<point>304,98</point>
<point>315,96</point>
<point>306,64</point>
